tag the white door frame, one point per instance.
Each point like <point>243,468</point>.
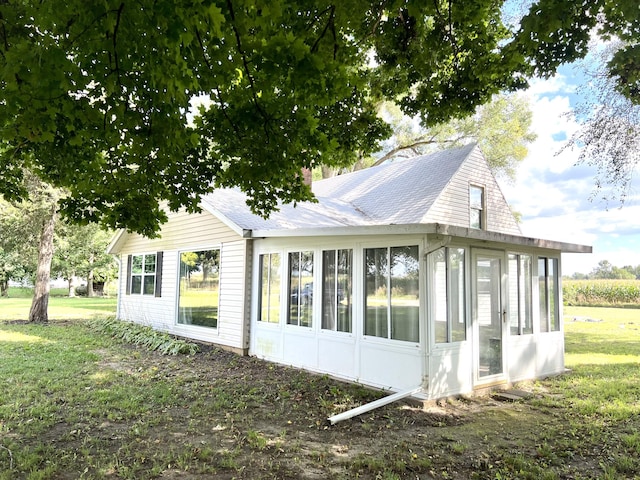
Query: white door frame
<point>489,357</point>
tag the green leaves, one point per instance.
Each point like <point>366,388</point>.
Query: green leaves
<point>96,96</point>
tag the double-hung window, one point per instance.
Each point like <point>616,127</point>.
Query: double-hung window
<point>548,288</point>
<point>300,303</point>
<point>144,272</point>
<point>520,294</point>
<point>199,288</point>
<point>448,301</point>
<point>337,308</point>
<point>392,301</point>
<point>477,214</point>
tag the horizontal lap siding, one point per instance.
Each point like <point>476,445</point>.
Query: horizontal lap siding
<point>452,206</point>
<point>183,232</point>
<point>233,293</point>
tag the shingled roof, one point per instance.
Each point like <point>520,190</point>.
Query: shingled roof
<point>401,192</point>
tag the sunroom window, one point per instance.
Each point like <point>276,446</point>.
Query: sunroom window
<point>392,301</point>
<point>520,294</point>
<point>300,307</point>
<point>548,287</point>
<point>199,288</point>
<point>337,295</point>
<point>269,297</point>
<point>448,300</point>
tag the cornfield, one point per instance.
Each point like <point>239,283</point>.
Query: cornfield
<point>601,292</point>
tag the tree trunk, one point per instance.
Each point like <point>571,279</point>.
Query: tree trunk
<point>90,284</point>
<point>40,303</point>
<point>72,287</point>
<point>4,288</point>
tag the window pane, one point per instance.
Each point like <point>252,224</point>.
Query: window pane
<point>199,288</point>
<point>475,197</point>
<point>526,315</point>
<point>329,303</point>
<point>136,264</point>
<point>274,288</point>
<point>542,286</point>
<point>149,285</point>
<point>475,219</point>
<point>376,306</point>
<point>293,312</point>
<point>136,283</point>
<point>300,288</point>
<point>439,281</point>
<point>514,292</point>
<point>553,294</point>
<point>405,304</point>
<point>269,288</point>
<point>344,293</point>
<point>150,263</point>
<point>457,295</point>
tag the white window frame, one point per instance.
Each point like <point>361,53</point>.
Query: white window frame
<point>520,304</point>
<point>480,209</point>
<point>143,274</point>
<point>335,296</point>
<point>179,262</point>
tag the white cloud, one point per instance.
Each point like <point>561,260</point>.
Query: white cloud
<point>552,192</point>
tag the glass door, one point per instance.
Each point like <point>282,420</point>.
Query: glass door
<point>488,314</point>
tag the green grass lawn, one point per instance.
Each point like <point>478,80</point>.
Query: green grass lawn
<point>77,404</point>
<point>17,308</point>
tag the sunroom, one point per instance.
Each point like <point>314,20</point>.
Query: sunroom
<point>450,313</point>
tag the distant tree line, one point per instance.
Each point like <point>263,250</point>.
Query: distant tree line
<point>606,271</point>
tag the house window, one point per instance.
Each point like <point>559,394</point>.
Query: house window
<point>448,301</point>
<point>199,288</point>
<point>300,298</point>
<point>336,290</point>
<point>520,294</point>
<point>144,272</point>
<point>548,285</point>
<point>392,302</point>
<point>476,207</point>
<point>269,297</point>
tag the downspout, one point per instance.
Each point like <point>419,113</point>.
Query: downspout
<point>373,405</point>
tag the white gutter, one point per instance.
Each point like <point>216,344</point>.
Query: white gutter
<point>373,405</point>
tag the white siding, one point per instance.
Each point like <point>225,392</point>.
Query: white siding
<point>185,232</point>
<point>452,206</point>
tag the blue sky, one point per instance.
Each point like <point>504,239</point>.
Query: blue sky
<point>554,193</point>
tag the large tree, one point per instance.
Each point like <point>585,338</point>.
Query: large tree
<point>502,128</point>
<point>96,96</point>
<point>81,251</point>
<point>609,134</point>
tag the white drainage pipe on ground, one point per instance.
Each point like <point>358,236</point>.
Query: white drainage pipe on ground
<point>354,412</point>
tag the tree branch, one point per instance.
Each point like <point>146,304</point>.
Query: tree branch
<point>413,147</point>
<point>330,22</point>
<point>245,65</point>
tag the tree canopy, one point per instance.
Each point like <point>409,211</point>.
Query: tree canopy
<point>501,127</point>
<point>98,97</point>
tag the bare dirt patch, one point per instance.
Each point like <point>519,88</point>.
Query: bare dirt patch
<point>240,417</point>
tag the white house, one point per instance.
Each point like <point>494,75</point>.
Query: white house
<point>410,274</point>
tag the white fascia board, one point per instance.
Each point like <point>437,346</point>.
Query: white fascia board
<point>112,248</point>
<point>244,233</point>
<point>421,229</point>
